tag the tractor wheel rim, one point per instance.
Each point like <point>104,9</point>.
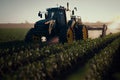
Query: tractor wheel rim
<point>70,35</point>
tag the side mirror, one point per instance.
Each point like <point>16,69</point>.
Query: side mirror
<point>46,15</point>
<point>40,14</point>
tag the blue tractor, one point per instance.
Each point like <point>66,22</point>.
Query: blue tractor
<point>60,24</point>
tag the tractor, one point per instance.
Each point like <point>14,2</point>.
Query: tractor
<point>61,25</point>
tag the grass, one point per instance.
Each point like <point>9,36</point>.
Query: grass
<point>12,34</point>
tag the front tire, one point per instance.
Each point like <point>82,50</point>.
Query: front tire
<point>32,36</point>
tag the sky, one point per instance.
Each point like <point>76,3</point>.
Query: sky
<point>19,11</point>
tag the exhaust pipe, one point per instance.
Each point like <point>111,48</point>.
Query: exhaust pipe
<point>67,6</point>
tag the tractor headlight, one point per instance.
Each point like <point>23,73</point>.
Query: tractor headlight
<point>43,39</point>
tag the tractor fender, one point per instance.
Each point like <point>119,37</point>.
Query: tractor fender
<point>71,23</point>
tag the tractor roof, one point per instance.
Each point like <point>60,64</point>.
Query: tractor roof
<point>56,8</point>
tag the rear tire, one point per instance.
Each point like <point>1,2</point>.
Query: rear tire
<point>85,32</point>
<point>81,32</point>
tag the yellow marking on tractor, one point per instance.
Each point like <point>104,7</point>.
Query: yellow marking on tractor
<point>84,30</point>
<point>70,36</point>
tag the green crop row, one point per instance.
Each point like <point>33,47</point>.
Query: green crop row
<point>56,63</point>
<point>98,66</point>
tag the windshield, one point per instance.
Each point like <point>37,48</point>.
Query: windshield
<point>52,14</point>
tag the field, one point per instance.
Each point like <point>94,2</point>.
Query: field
<point>12,34</point>
<point>91,59</point>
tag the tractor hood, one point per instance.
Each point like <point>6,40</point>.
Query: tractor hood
<point>41,23</point>
<point>45,25</point>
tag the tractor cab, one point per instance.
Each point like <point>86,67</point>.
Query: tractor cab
<point>59,14</point>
